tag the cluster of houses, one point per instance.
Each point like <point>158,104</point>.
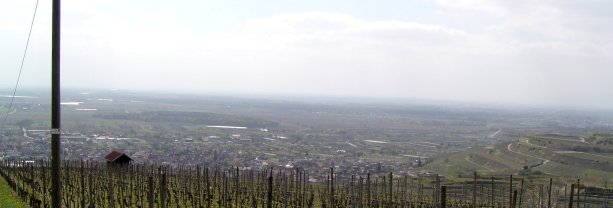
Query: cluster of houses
<point>210,150</point>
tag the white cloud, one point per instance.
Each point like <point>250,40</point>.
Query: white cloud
<point>531,52</point>
<point>562,20</point>
<point>336,53</point>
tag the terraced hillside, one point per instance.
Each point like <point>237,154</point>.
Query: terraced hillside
<point>567,157</point>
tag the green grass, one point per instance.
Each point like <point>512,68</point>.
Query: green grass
<point>501,161</point>
<point>452,165</point>
<point>591,156</point>
<point>591,176</point>
<point>8,199</point>
<point>497,161</point>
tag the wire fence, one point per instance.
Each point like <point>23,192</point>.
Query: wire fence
<point>100,184</point>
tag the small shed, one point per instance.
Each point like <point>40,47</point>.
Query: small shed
<point>118,157</point>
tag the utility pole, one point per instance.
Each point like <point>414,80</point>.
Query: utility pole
<point>56,191</point>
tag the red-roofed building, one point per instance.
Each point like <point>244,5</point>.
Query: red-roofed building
<point>118,157</point>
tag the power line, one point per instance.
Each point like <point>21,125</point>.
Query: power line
<point>22,61</point>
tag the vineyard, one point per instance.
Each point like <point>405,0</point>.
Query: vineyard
<point>95,184</point>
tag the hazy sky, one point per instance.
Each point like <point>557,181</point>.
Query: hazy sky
<point>551,52</point>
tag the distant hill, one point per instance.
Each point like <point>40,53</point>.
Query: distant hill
<point>569,157</point>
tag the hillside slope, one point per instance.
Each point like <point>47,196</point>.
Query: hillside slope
<point>550,155</point>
